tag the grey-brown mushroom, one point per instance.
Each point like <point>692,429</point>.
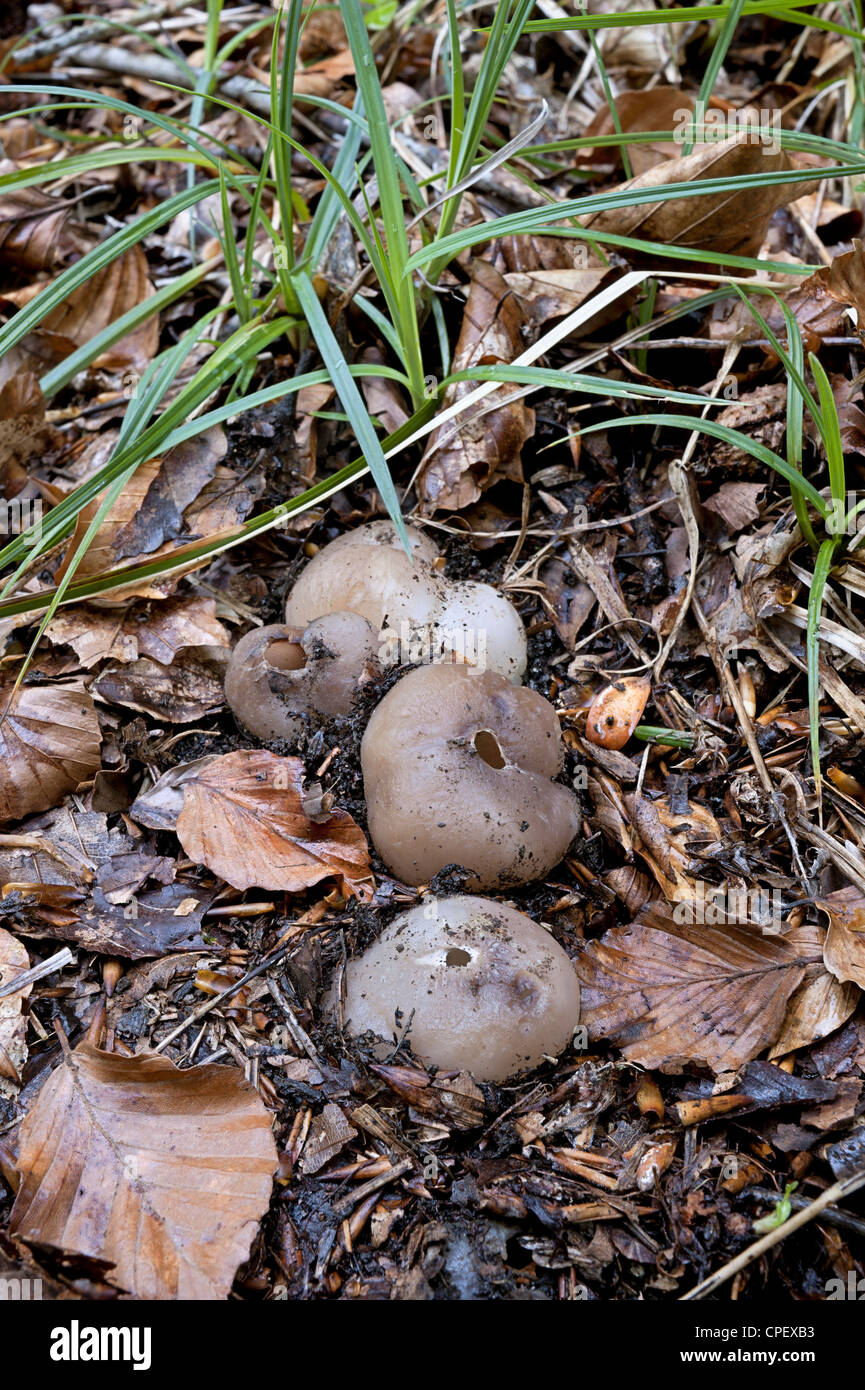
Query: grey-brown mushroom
<point>470,984</point>
<point>279,676</point>
<point>419,614</point>
<point>457,769</point>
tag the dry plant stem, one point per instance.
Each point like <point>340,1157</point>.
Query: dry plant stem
<point>79,34</point>
<point>840,855</point>
<point>224,994</point>
<point>351,1199</point>
<point>299,1034</point>
<point>38,972</point>
<point>684,488</point>
<point>732,689</point>
<point>588,569</point>
<point>833,1194</point>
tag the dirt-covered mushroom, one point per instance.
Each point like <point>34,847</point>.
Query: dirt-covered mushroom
<point>473,985</point>
<point>419,614</point>
<point>457,769</point>
<point>279,675</point>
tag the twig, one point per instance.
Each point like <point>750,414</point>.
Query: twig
<point>722,666</point>
<point>351,1199</point>
<point>299,1034</point>
<point>224,994</point>
<point>36,972</point>
<point>833,1194</point>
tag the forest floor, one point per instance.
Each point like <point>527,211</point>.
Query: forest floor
<point>666,489</point>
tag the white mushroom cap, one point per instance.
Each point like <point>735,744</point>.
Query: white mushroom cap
<point>487,989</point>
<point>368,571</point>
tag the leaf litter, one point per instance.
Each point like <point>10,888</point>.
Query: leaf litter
<point>210,889</point>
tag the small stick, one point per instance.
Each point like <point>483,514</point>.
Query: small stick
<point>833,1194</point>
<point>36,972</point>
<point>223,995</point>
<point>351,1199</point>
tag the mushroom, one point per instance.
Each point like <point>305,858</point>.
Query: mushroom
<point>419,614</point>
<point>473,985</point>
<point>457,768</point>
<point>278,676</point>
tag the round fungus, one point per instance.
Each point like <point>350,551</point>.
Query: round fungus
<point>417,612</point>
<point>478,986</point>
<point>457,769</point>
<point>278,676</point>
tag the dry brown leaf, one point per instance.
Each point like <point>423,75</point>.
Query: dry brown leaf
<point>668,841</point>
<point>96,635</point>
<point>659,108</point>
<point>668,994</point>
<point>33,232</point>
<point>735,221</point>
<point>162,1174</point>
<point>821,303</point>
<point>49,743</point>
<point>736,503</point>
<point>383,398</point>
<point>821,1003</point>
<point>13,1026</point>
<point>845,942</point>
<point>645,47</point>
<point>99,887</point>
<point>459,464</point>
<point>187,690</point>
<point>122,285</point>
<point>244,817</point>
<point>550,294</point>
<point>23,431</point>
<point>448,1098</point>
<point>150,514</point>
<point>329,1132</point>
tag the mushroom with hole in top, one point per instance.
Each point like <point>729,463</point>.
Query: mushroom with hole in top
<point>469,984</point>
<point>278,677</point>
<point>457,769</point>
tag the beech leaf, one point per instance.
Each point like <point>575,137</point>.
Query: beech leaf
<point>667,994</point>
<point>244,815</point>
<point>844,952</point>
<point>49,743</point>
<point>161,1174</point>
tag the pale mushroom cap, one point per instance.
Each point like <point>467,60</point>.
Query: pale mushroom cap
<point>492,993</point>
<point>368,572</point>
<point>278,676</point>
<point>457,767</point>
<point>384,534</point>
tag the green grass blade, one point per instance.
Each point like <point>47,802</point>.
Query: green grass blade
<point>831,438</point>
<point>822,567</point>
<point>719,53</point>
<point>730,436</point>
<point>351,399</point>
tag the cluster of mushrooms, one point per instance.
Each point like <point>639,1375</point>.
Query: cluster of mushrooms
<point>458,763</point>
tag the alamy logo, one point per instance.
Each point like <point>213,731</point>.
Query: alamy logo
<point>710,125</point>
<point>430,644</point>
<point>714,906</point>
<point>18,515</point>
<point>851,1289</point>
<point>77,1343</point>
<point>20,1290</point>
